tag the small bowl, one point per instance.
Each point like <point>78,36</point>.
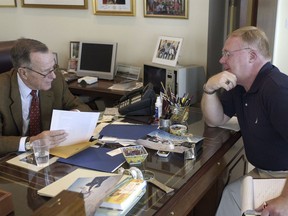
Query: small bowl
<point>134,154</point>
<point>178,129</point>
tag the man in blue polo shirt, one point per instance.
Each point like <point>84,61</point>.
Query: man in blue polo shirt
<point>257,93</point>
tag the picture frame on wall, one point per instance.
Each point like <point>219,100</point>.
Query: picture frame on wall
<point>169,9</point>
<point>167,50</point>
<point>8,3</point>
<point>55,57</point>
<point>114,7</point>
<point>72,4</point>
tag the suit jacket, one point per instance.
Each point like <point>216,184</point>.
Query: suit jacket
<point>58,97</point>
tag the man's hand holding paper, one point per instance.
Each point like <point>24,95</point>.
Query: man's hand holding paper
<point>78,126</point>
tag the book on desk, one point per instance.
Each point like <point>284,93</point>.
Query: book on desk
<point>123,198</point>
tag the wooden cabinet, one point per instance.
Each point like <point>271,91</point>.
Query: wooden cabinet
<point>229,168</point>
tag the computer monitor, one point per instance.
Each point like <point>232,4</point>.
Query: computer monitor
<point>97,59</point>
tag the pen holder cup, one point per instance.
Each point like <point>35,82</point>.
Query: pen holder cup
<point>179,114</point>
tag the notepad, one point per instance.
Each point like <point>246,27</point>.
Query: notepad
<point>256,191</point>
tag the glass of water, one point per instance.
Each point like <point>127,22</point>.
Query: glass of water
<point>41,151</point>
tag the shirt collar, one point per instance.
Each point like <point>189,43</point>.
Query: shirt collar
<point>24,90</point>
<point>264,71</point>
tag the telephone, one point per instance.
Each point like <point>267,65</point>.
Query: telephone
<point>138,102</point>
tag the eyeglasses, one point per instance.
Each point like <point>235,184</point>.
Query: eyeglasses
<point>55,68</point>
<point>227,54</point>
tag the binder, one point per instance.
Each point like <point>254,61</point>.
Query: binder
<point>95,159</point>
<point>127,131</point>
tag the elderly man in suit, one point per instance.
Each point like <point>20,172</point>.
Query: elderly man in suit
<point>34,68</point>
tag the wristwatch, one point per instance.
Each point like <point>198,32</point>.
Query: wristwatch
<point>28,145</point>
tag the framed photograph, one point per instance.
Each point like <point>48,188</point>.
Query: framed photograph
<point>74,49</point>
<point>55,57</point>
<point>167,50</point>
<point>170,9</point>
<point>72,65</point>
<point>8,3</point>
<point>72,4</point>
<point>114,7</point>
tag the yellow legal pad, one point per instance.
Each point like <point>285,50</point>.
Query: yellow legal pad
<point>69,150</point>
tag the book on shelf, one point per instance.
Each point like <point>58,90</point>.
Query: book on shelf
<point>257,191</point>
<point>123,197</point>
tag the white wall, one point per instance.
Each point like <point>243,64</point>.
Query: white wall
<point>281,37</point>
<point>136,36</point>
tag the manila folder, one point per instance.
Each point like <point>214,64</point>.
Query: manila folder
<point>69,150</point>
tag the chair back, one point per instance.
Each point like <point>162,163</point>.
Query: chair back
<point>5,58</point>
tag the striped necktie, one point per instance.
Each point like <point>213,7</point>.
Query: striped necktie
<point>34,126</point>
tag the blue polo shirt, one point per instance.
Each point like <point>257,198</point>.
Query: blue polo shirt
<point>262,113</point>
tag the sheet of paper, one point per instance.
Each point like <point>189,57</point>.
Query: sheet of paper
<point>79,125</point>
<point>266,189</point>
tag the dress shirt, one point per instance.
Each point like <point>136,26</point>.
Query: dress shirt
<point>26,98</point>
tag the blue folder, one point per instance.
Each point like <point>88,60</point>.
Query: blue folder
<point>127,131</point>
<point>95,159</point>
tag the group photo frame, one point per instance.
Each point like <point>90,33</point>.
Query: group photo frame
<point>114,7</point>
<point>170,9</point>
<point>167,50</point>
<point>69,4</point>
<point>8,3</point>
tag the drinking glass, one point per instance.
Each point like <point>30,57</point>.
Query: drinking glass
<point>41,151</point>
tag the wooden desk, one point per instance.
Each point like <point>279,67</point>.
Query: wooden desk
<point>98,90</point>
<point>198,183</point>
